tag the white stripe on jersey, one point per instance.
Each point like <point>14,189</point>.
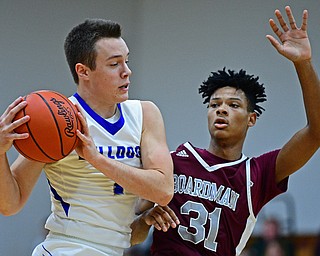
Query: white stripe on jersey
<point>251,221</point>
<point>214,167</point>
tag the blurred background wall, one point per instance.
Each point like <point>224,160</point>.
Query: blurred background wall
<point>174,45</point>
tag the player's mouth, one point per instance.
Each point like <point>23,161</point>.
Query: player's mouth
<point>220,123</point>
<point>125,86</point>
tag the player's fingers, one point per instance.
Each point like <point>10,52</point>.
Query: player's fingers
<point>162,222</point>
<point>18,136</point>
<point>282,22</point>
<point>304,25</point>
<point>7,125</point>
<point>171,217</point>
<point>81,136</point>
<point>83,121</point>
<point>167,220</point>
<point>157,226</point>
<point>153,216</point>
<point>15,103</point>
<point>291,18</point>
<point>80,110</point>
<point>156,220</point>
<point>275,28</point>
<point>150,220</point>
<point>274,42</point>
<point>18,123</point>
<point>14,108</point>
<point>160,218</point>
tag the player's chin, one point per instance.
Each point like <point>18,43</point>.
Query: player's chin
<point>123,97</point>
<point>219,133</point>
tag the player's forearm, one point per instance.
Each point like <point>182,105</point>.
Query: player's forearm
<point>310,85</point>
<point>152,184</point>
<point>9,190</point>
<point>140,230</point>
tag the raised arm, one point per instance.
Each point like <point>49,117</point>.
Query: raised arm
<point>294,45</point>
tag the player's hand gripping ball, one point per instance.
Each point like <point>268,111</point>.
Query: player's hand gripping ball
<point>52,127</point>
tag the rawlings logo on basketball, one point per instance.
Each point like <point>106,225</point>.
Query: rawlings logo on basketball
<point>67,115</point>
<point>60,126</point>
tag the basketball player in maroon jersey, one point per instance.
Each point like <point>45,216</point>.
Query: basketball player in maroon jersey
<point>219,191</point>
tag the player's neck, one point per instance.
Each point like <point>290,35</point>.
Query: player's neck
<point>101,107</point>
<point>228,152</point>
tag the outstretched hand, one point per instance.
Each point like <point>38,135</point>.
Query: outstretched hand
<point>293,41</point>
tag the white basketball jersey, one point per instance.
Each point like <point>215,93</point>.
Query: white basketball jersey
<point>85,203</point>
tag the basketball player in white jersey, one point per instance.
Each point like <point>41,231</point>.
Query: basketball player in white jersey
<point>121,156</point>
<point>219,191</point>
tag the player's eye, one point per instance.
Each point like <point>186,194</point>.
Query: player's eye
<point>214,105</point>
<point>234,105</point>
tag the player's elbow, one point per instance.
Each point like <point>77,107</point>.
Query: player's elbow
<point>166,197</point>
<point>8,211</point>
<point>163,191</point>
<point>313,135</point>
<point>9,206</point>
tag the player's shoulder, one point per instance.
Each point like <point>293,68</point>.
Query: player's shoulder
<point>178,148</point>
<point>267,156</point>
<point>151,112</point>
<point>131,102</point>
<point>149,105</point>
<point>145,105</point>
<point>131,106</point>
<point>184,150</point>
<point>186,145</point>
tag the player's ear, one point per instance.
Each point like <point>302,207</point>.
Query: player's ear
<point>252,118</point>
<point>82,71</point>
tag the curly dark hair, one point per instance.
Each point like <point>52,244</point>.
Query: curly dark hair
<point>254,91</point>
<point>80,43</point>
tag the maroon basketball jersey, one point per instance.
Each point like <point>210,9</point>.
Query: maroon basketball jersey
<point>216,202</point>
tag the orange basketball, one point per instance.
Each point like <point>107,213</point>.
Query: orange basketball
<point>52,127</point>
